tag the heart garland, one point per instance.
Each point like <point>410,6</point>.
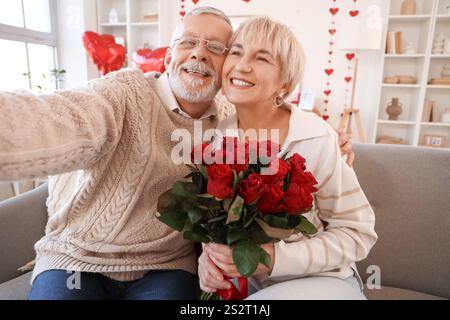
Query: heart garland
<point>350,58</point>
<point>329,70</point>
<point>354,12</point>
<point>183,7</point>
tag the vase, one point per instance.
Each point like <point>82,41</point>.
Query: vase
<point>409,7</point>
<point>394,109</point>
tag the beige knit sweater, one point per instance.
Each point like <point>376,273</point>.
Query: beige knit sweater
<point>113,139</point>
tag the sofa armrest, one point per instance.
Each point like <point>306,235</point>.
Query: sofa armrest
<point>22,223</point>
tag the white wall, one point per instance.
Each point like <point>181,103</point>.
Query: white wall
<point>74,18</point>
<point>310,20</point>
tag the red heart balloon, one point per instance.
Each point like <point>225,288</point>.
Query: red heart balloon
<point>104,52</point>
<point>148,60</point>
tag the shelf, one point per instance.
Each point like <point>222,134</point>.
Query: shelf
<point>412,86</point>
<point>112,25</point>
<point>440,56</point>
<point>443,18</point>
<point>405,56</point>
<point>430,86</point>
<point>144,24</point>
<point>395,122</point>
<point>409,18</point>
<point>435,124</point>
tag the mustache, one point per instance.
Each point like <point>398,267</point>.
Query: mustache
<point>199,67</point>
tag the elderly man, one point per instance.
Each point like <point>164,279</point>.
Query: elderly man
<point>108,148</point>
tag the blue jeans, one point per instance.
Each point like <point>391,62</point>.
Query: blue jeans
<point>155,285</point>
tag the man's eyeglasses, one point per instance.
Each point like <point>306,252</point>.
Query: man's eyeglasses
<point>191,43</point>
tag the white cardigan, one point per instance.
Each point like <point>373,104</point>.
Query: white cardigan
<point>341,212</point>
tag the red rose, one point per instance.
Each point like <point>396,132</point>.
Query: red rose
<point>251,188</point>
<point>306,180</point>
<point>272,200</point>
<point>235,154</point>
<point>268,149</point>
<point>297,164</point>
<point>202,154</point>
<point>275,172</point>
<point>220,180</point>
<point>298,198</point>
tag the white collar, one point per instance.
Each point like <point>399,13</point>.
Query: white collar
<point>168,98</point>
<point>303,125</point>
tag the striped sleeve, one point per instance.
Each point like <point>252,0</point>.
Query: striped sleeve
<point>349,225</point>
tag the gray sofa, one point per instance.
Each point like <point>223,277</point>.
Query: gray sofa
<point>409,189</point>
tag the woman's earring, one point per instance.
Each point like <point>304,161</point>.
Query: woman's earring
<point>278,101</point>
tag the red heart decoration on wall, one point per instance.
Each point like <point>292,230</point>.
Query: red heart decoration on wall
<point>182,13</point>
<point>104,52</point>
<point>327,92</point>
<point>148,60</point>
<point>333,11</point>
<point>329,71</point>
<point>354,13</point>
<point>332,31</point>
<point>195,1</point>
<point>348,79</point>
<point>325,117</point>
<point>350,56</point>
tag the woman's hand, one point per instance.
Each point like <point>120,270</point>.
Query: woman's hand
<point>211,277</point>
<point>221,256</point>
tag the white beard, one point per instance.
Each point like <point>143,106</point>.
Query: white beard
<point>193,91</point>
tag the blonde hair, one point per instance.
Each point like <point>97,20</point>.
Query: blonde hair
<point>285,46</point>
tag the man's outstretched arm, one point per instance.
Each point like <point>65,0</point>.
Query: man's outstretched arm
<point>69,130</point>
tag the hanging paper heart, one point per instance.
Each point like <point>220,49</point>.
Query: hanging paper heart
<point>325,117</point>
<point>182,13</point>
<point>148,60</point>
<point>354,13</point>
<point>348,79</point>
<point>334,11</point>
<point>350,56</point>
<point>327,92</point>
<point>195,1</point>
<point>104,52</point>
<point>329,71</point>
<point>332,31</point>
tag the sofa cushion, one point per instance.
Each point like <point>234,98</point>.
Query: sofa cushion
<point>16,289</point>
<point>391,293</point>
<point>409,190</point>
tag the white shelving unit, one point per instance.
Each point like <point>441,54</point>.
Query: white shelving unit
<point>421,29</point>
<point>131,27</point>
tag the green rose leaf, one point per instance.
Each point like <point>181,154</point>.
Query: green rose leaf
<point>265,258</point>
<point>246,257</point>
<point>196,215</point>
<point>197,235</point>
<point>175,219</point>
<point>184,189</point>
<point>235,236</point>
<point>306,227</point>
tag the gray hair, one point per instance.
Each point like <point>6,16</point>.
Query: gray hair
<point>198,12</point>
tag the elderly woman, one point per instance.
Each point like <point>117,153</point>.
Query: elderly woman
<point>265,62</point>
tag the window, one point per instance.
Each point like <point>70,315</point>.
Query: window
<point>27,44</point>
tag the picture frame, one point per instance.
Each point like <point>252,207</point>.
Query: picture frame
<point>435,141</point>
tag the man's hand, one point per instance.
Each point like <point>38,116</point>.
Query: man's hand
<point>345,142</point>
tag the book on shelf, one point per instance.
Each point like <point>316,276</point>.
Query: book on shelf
<point>394,42</point>
<point>427,115</point>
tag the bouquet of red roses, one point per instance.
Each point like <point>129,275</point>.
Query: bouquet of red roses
<point>241,195</point>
